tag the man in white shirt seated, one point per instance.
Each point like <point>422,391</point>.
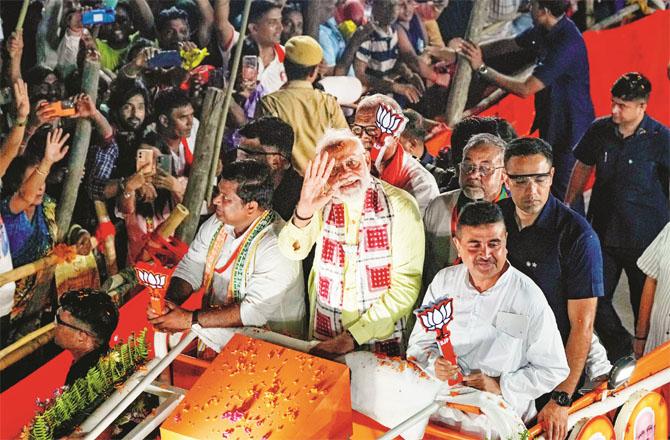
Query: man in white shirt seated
<point>503,331</point>
<point>236,260</point>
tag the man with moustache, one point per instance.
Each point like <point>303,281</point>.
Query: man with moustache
<point>481,177</point>
<point>502,330</point>
<point>395,166</point>
<point>630,153</point>
<point>560,252</point>
<point>236,261</point>
<point>369,250</point>
<point>108,165</point>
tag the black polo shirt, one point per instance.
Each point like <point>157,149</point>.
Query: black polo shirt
<point>629,205</point>
<point>560,252</point>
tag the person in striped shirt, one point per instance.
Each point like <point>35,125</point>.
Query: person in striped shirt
<point>376,62</point>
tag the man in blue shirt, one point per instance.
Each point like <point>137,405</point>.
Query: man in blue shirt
<point>560,81</point>
<point>558,249</point>
<point>629,205</point>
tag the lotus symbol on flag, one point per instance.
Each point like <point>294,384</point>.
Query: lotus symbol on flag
<point>436,316</point>
<point>390,122</point>
<point>391,125</point>
<point>150,279</point>
<point>156,278</point>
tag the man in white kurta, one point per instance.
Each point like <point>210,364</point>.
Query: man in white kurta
<point>503,332</point>
<point>274,289</point>
<point>236,260</point>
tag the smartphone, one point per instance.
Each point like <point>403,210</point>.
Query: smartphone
<point>250,68</point>
<point>165,59</point>
<point>64,108</point>
<point>145,156</point>
<point>164,162</point>
<point>5,95</point>
<point>98,16</point>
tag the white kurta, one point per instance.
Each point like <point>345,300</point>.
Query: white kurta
<point>655,263</point>
<point>508,331</point>
<point>273,292</point>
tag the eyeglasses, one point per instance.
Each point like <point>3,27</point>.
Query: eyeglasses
<point>59,321</point>
<point>370,130</point>
<point>483,170</point>
<point>353,163</point>
<point>525,179</point>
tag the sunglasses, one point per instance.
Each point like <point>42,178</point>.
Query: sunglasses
<point>524,179</point>
<point>59,321</point>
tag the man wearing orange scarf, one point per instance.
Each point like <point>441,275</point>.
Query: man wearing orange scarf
<point>390,162</point>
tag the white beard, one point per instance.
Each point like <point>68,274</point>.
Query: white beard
<point>473,193</point>
<point>354,197</point>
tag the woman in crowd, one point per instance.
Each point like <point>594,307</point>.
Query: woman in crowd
<point>29,215</point>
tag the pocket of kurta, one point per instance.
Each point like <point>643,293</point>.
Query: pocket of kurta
<point>502,356</point>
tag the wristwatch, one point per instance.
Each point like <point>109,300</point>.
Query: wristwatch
<point>561,398</point>
<point>483,69</point>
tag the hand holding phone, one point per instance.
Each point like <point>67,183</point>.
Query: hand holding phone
<point>250,68</point>
<point>165,59</point>
<point>64,108</point>
<point>98,16</point>
<point>145,156</point>
<point>164,162</point>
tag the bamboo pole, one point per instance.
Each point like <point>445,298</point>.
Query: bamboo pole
<point>110,248</point>
<point>460,84</point>
<point>22,15</point>
<point>229,97</point>
<point>203,156</point>
<point>167,228</point>
<point>312,18</point>
<point>178,214</point>
<point>78,152</point>
<point>66,205</point>
<point>588,12</point>
<point>32,268</point>
<point>26,345</point>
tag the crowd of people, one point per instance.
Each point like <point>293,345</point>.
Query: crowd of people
<point>332,220</point>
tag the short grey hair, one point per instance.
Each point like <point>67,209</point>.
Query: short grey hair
<point>336,136</point>
<point>488,139</point>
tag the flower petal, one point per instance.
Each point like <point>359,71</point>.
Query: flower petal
<point>424,320</point>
